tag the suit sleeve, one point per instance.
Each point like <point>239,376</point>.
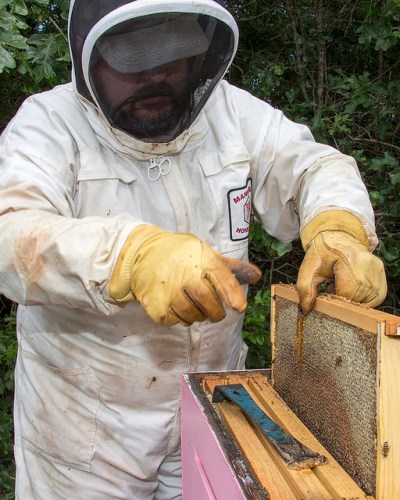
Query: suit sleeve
<point>48,255</point>
<point>296,178</point>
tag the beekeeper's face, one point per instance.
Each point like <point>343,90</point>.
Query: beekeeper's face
<point>151,75</point>
<point>146,103</point>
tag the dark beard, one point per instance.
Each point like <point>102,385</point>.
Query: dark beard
<point>150,127</point>
<point>154,126</point>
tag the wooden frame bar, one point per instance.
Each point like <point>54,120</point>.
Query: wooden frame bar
<point>368,319</point>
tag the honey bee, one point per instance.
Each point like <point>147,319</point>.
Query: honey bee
<point>385,449</point>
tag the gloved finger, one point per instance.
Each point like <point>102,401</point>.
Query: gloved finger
<point>364,293</point>
<point>226,286</point>
<point>347,284</point>
<point>378,298</point>
<point>365,283</point>
<point>158,310</point>
<point>186,311</point>
<point>194,303</point>
<point>376,290</point>
<point>198,303</point>
<point>312,272</point>
<point>182,312</point>
<point>245,273</point>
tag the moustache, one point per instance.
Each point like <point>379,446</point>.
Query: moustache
<point>162,89</point>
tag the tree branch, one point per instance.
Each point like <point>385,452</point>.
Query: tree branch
<point>58,28</point>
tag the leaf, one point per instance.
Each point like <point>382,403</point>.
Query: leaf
<point>17,41</point>
<point>19,7</point>
<point>7,20</point>
<point>6,59</point>
<point>43,71</point>
<point>389,254</point>
<point>3,3</point>
<point>385,43</point>
<point>279,69</point>
<point>395,178</point>
<point>281,248</point>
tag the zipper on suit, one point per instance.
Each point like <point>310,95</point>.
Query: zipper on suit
<point>164,169</point>
<point>169,174</point>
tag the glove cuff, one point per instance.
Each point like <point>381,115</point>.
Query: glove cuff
<point>119,287</point>
<point>334,220</point>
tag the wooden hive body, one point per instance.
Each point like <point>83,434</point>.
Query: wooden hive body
<point>224,456</point>
<point>339,371</point>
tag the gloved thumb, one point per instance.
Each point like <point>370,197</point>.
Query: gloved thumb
<point>245,273</point>
<point>312,272</point>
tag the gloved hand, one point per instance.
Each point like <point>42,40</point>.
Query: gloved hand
<point>336,247</point>
<point>177,277</point>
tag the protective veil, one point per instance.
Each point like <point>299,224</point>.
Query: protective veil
<point>189,45</point>
<point>97,383</point>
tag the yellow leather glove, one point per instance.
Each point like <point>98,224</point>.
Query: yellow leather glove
<point>336,247</point>
<point>177,277</point>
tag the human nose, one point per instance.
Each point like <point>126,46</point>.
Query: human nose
<point>157,75</point>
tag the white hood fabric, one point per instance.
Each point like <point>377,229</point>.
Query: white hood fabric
<point>97,385</point>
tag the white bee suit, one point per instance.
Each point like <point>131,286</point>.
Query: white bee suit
<point>97,384</point>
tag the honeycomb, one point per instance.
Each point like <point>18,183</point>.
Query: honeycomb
<point>327,374</point>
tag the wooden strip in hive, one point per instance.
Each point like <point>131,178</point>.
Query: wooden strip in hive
<point>334,478</point>
<point>271,470</point>
<point>266,471</point>
<point>304,483</point>
<point>354,314</point>
<point>388,445</point>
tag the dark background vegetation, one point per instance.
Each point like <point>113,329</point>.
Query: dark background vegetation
<point>332,65</point>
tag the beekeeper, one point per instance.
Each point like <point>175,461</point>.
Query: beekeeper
<point>125,201</point>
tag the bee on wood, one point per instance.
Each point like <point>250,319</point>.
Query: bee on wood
<point>385,449</point>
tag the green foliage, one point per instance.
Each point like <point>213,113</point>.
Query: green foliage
<point>11,39</point>
<point>8,351</point>
<point>262,243</point>
<point>33,41</point>
<point>380,28</point>
<point>33,50</point>
<point>256,329</point>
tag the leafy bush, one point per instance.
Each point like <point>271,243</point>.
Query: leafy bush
<point>256,329</point>
<point>8,350</point>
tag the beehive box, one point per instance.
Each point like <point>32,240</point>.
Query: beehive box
<point>338,369</point>
<point>225,457</point>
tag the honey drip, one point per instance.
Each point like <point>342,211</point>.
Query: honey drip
<point>301,319</point>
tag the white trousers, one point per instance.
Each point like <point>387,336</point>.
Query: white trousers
<point>48,480</point>
<point>41,479</point>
